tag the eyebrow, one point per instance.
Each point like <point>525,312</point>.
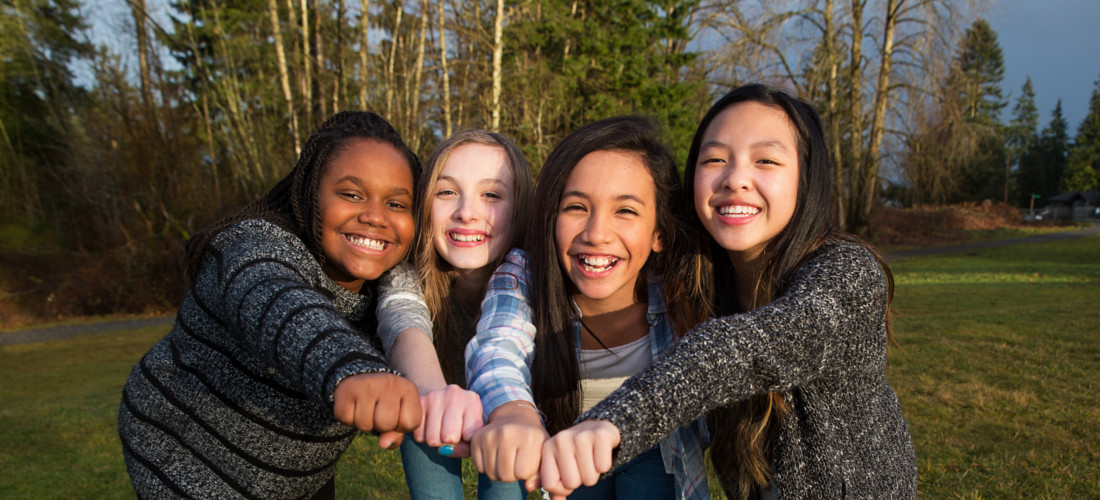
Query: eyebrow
<point>758,144</point>
<point>487,180</point>
<point>621,197</point>
<point>397,190</point>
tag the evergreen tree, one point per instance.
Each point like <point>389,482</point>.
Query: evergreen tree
<point>981,63</point>
<point>1081,173</point>
<point>1022,140</point>
<point>39,40</point>
<point>977,81</point>
<point>585,60</point>
<point>1054,151</point>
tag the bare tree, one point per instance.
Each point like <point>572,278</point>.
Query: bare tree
<point>498,51</point>
<point>364,49</point>
<point>445,73</point>
<point>284,78</point>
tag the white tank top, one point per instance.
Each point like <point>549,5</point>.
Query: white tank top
<point>604,370</point>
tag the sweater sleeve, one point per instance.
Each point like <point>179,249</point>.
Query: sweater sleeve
<point>498,357</point>
<point>401,305</point>
<point>267,289</point>
<point>827,323</point>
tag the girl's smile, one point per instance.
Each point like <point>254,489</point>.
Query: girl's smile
<point>472,206</point>
<point>746,179</point>
<point>365,201</point>
<point>607,228</point>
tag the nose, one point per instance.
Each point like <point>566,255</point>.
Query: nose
<point>737,176</point>
<point>597,229</point>
<point>373,214</point>
<point>467,210</point>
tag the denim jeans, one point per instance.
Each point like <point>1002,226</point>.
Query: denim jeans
<point>432,476</point>
<point>643,478</point>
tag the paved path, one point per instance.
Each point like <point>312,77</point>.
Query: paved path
<point>970,247</point>
<point>61,332</point>
<point>48,333</point>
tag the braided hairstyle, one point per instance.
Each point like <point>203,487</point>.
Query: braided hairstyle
<point>293,203</point>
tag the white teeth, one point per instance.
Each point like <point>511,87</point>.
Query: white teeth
<point>597,264</point>
<point>366,242</point>
<point>738,210</point>
<point>467,237</point>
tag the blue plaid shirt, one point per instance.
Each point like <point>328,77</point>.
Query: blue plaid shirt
<point>498,365</point>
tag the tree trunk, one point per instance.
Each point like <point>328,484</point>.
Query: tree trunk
<point>364,44</point>
<point>284,77</point>
<point>445,73</point>
<point>390,80</point>
<point>319,102</point>
<point>137,8</point>
<point>307,71</point>
<point>855,110</point>
<point>338,57</point>
<point>413,122</point>
<point>832,108</point>
<point>882,94</point>
<point>498,51</point>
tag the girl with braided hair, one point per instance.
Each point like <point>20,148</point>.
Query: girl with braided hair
<point>273,363</point>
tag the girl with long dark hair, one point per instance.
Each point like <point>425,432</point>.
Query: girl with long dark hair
<point>792,373</point>
<point>603,285</point>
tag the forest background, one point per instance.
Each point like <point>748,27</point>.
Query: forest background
<point>103,175</point>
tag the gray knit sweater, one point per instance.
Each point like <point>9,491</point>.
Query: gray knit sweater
<point>822,345</point>
<point>237,400</point>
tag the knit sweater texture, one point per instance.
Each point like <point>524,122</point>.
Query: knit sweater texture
<point>236,401</point>
<point>822,346</point>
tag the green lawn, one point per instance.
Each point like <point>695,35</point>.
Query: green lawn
<point>997,375</point>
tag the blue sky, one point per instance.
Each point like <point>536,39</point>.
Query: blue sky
<point>1057,43</point>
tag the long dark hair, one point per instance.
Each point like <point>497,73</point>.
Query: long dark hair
<point>742,433</point>
<point>436,275</point>
<point>293,202</point>
<point>555,373</point>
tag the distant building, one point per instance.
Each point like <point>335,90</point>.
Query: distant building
<point>1074,205</point>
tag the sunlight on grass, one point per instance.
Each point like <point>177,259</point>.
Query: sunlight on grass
<point>997,370</point>
<point>985,278</point>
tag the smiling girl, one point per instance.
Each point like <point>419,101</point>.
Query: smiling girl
<point>477,190</point>
<point>792,375</point>
<point>600,291</point>
<point>271,366</point>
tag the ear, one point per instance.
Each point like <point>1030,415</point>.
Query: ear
<point>658,242</point>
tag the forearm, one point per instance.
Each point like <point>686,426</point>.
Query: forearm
<point>414,355</point>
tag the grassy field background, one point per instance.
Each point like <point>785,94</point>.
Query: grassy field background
<point>997,375</point>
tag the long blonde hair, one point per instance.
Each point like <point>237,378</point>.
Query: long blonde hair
<point>436,274</point>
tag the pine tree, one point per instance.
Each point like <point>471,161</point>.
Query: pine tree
<point>1054,151</point>
<point>1022,139</point>
<point>1081,173</point>
<point>585,60</point>
<point>977,80</point>
<point>981,63</point>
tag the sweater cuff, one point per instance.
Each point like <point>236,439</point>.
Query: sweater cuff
<point>351,365</point>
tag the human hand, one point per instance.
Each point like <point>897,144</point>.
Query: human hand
<point>509,447</point>
<point>451,416</point>
<point>576,456</point>
<point>379,402</point>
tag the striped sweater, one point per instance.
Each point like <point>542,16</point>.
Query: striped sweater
<point>236,401</point>
<point>822,345</point>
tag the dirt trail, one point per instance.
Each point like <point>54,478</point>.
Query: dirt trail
<point>49,333</point>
